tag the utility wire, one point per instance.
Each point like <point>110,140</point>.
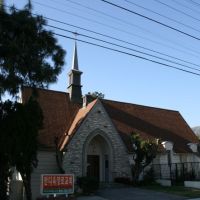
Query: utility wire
<point>134,25</point>
<point>161,15</point>
<point>130,43</point>
<point>177,10</point>
<point>183,5</point>
<point>114,28</point>
<point>190,2</point>
<point>194,2</point>
<point>129,33</point>
<point>107,15</point>
<point>151,19</point>
<point>127,48</point>
<point>114,38</point>
<point>130,54</point>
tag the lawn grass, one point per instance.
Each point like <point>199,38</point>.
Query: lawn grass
<point>177,190</point>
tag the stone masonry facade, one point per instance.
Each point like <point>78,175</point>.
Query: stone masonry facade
<point>97,119</point>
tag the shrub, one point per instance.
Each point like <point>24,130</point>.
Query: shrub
<point>88,184</point>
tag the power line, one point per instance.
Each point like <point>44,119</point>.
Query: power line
<point>173,20</point>
<point>131,24</point>
<point>116,39</point>
<point>100,23</point>
<point>177,10</point>
<point>183,5</point>
<point>127,48</point>
<point>129,33</point>
<point>114,28</point>
<point>133,44</point>
<point>134,25</point>
<point>194,2</point>
<point>151,19</point>
<point>107,15</point>
<point>130,54</point>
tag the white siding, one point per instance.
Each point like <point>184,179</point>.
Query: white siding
<point>46,165</point>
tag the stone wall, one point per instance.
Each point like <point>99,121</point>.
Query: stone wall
<point>97,122</point>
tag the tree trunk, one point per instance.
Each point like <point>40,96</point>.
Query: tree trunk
<point>27,185</point>
<point>4,176</point>
<point>136,170</point>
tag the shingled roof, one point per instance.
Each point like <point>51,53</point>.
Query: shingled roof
<point>62,118</point>
<point>58,112</point>
<point>80,116</point>
<point>150,122</point>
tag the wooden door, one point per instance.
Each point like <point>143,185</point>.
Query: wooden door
<point>93,166</point>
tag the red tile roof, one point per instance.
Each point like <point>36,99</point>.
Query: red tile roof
<point>80,116</point>
<point>62,118</point>
<point>149,122</point>
<point>58,114</point>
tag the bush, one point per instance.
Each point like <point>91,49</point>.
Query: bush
<point>88,184</point>
<point>123,180</point>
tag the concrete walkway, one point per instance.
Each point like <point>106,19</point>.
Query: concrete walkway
<point>130,193</point>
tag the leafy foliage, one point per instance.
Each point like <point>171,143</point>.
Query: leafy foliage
<point>19,125</point>
<point>29,56</point>
<point>96,95</point>
<point>144,151</point>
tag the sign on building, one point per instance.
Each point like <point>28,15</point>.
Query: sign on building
<point>55,184</point>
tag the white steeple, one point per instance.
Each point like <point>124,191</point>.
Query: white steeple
<point>75,58</point>
<point>74,87</point>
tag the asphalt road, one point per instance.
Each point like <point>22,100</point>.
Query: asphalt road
<point>131,193</point>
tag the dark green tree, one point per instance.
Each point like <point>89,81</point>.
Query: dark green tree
<point>5,152</point>
<point>29,56</point>
<point>96,95</point>
<point>144,151</point>
<point>20,128</point>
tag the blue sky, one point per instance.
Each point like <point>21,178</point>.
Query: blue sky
<point>126,78</point>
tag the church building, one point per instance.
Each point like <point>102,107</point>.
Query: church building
<point>93,135</point>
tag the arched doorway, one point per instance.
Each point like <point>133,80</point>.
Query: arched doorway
<point>98,158</point>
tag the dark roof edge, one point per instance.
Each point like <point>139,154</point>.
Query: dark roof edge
<point>46,90</point>
<point>140,105</point>
<point>76,128</point>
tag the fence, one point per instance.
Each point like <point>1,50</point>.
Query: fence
<point>177,172</point>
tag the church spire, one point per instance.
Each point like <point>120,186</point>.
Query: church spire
<point>74,74</point>
<point>75,58</point>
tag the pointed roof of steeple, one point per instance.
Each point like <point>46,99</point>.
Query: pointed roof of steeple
<point>75,58</point>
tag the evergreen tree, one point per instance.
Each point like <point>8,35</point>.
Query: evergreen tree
<point>29,56</point>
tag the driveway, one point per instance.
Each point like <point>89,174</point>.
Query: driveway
<point>131,193</point>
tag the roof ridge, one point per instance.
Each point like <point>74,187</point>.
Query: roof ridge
<point>79,117</point>
<point>141,105</point>
<point>47,90</point>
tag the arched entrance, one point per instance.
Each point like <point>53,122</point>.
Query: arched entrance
<point>98,158</point>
